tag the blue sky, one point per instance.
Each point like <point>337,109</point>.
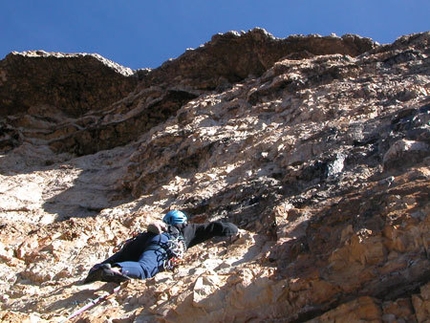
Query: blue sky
<point>145,33</point>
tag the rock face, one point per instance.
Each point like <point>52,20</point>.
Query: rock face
<point>317,147</point>
<point>72,83</point>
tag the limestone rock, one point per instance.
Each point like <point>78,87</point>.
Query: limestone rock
<point>316,147</point>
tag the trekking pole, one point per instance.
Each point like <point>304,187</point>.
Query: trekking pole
<point>93,302</point>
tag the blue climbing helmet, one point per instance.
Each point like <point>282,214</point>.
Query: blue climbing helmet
<point>175,217</point>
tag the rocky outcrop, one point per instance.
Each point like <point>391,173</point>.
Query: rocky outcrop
<point>317,147</point>
<point>70,83</point>
<point>232,57</point>
<point>87,103</point>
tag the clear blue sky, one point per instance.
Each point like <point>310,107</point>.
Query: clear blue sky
<point>145,33</point>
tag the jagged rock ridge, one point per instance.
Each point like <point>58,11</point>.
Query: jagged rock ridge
<point>317,146</point>
<point>89,88</point>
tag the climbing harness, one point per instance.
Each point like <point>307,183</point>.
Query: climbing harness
<point>95,301</point>
<point>175,248</point>
<point>171,264</point>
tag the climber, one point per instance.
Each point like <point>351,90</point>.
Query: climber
<point>158,249</point>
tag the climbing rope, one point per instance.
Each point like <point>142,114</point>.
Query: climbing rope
<point>94,302</point>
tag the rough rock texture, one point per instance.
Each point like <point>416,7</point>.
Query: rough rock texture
<point>317,147</point>
<point>71,83</point>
